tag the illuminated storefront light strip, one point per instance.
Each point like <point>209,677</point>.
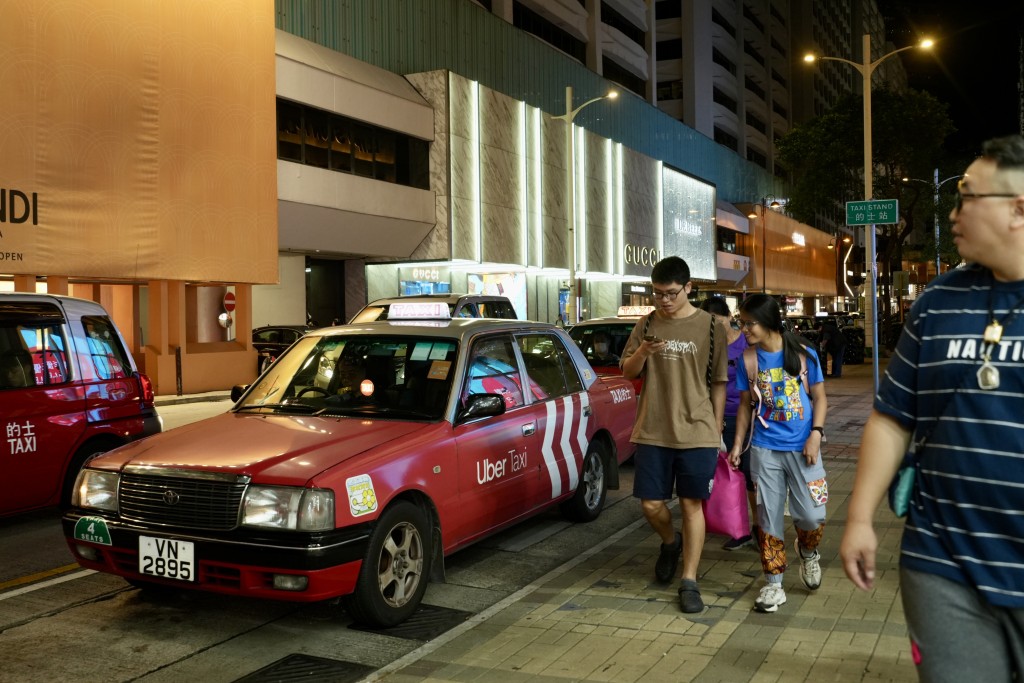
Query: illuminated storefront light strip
<point>620,221</point>
<point>609,181</point>
<point>661,207</point>
<point>474,145</point>
<point>538,197</point>
<point>581,193</point>
<point>524,194</point>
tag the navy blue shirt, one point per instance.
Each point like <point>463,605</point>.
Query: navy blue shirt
<point>967,523</point>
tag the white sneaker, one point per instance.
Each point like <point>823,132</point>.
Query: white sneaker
<point>810,567</point>
<point>770,598</point>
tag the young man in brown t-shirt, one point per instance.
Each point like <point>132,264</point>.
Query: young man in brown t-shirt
<point>679,419</point>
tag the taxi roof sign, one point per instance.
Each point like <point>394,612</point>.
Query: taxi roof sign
<point>634,311</point>
<point>419,310</point>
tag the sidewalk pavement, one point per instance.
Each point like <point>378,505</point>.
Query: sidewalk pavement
<point>602,617</point>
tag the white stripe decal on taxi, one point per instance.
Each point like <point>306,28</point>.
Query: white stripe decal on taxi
<point>581,433</point>
<point>570,457</point>
<point>549,454</point>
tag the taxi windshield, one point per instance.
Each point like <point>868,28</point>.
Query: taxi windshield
<point>402,377</point>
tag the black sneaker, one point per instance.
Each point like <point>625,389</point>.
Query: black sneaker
<point>737,543</point>
<point>668,560</point>
<point>689,598</point>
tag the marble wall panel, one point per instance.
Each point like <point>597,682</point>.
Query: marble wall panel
<point>433,87</point>
<point>500,120</point>
<point>501,178</point>
<point>437,244</point>
<point>605,297</point>
<point>502,237</point>
<point>463,167</point>
<point>464,221</point>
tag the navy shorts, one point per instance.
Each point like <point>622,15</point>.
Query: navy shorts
<point>657,469</point>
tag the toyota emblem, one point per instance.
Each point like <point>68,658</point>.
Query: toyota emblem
<point>171,497</point>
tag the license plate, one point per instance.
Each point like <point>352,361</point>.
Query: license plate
<point>167,558</point>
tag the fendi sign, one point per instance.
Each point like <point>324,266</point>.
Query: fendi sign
<point>18,207</point>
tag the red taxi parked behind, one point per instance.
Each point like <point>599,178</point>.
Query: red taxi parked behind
<point>69,390</point>
<point>603,339</point>
<point>359,460</point>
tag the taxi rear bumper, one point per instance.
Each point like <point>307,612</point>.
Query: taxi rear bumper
<point>241,563</point>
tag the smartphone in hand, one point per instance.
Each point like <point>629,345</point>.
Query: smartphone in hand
<point>652,339</point>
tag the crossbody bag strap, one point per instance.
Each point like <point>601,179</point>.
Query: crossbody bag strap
<point>711,354</point>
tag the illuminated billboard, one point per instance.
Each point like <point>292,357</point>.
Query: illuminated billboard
<point>688,223</point>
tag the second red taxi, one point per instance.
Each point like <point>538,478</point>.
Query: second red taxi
<point>359,460</point>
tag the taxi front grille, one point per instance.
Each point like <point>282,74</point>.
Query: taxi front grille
<point>184,502</point>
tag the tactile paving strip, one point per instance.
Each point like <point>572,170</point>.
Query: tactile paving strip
<point>298,667</point>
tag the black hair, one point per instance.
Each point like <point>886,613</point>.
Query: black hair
<point>766,311</point>
<point>670,269</point>
<point>1007,152</point>
<point>716,305</point>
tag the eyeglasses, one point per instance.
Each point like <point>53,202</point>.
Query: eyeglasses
<point>961,195</point>
<point>671,296</point>
<point>747,324</point>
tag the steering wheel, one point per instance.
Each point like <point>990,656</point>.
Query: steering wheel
<point>305,391</point>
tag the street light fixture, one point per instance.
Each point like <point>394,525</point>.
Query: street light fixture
<point>571,308</point>
<point>866,68</point>
<point>774,205</point>
<point>935,197</point>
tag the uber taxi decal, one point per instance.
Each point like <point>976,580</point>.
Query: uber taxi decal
<point>564,425</point>
<point>362,499</point>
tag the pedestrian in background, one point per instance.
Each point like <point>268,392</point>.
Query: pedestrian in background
<point>680,350</point>
<point>956,385</point>
<point>718,307</point>
<point>831,341</point>
<point>785,448</point>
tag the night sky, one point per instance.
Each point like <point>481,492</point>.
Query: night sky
<point>974,66</point>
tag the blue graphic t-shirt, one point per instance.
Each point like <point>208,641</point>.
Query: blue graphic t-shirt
<point>785,406</point>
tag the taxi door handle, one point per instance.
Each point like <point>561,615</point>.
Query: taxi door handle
<point>529,429</point>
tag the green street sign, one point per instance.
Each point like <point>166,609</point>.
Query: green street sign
<point>873,212</point>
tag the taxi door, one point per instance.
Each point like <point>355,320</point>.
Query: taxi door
<point>42,413</point>
<point>562,405</point>
<point>498,455</point>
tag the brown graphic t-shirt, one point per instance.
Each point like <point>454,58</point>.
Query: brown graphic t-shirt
<point>674,408</point>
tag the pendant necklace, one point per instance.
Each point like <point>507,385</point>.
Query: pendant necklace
<point>988,374</point>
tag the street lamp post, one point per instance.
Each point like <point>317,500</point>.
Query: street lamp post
<point>572,306</point>
<point>765,205</point>
<point>867,67</point>
<point>935,197</point>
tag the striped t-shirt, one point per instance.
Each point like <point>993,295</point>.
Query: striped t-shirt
<point>968,521</point>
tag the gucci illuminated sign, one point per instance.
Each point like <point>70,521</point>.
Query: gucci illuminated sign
<point>636,254</point>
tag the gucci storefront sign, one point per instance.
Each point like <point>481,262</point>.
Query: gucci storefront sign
<point>635,254</point>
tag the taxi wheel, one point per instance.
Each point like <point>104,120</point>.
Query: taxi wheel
<point>587,503</point>
<point>393,578</point>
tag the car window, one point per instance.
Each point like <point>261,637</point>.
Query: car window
<point>493,370</point>
<point>496,309</point>
<point>34,355</point>
<point>602,344</point>
<point>387,375</point>
<point>106,359</point>
<point>265,336</point>
<point>548,365</point>
<point>467,310</point>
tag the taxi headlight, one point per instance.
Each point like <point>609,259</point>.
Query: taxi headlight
<point>288,507</point>
<point>96,489</point>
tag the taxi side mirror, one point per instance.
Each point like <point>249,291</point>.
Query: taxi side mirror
<point>482,405</point>
<point>237,391</point>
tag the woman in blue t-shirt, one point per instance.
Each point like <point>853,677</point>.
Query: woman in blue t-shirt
<point>785,447</point>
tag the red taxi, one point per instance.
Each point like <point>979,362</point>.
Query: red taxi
<point>359,460</point>
<point>69,390</point>
<point>603,339</point>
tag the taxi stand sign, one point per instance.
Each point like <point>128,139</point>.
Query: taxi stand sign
<point>873,212</point>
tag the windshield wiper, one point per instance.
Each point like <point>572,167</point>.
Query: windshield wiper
<point>300,407</point>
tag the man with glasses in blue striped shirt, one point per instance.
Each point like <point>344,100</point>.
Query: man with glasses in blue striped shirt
<point>956,387</point>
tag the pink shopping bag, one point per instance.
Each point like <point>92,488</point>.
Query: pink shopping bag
<point>726,511</point>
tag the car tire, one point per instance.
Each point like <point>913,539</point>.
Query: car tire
<point>394,574</point>
<point>591,492</point>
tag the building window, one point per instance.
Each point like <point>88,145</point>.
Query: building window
<point>315,137</point>
<point>610,17</point>
<point>723,22</point>
<point>670,49</point>
<point>615,73</point>
<point>670,90</point>
<point>724,100</point>
<point>668,9</point>
<point>526,19</point>
<point>728,139</point>
<point>723,61</point>
<point>757,157</point>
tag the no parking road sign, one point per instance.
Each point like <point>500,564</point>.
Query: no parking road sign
<point>873,212</point>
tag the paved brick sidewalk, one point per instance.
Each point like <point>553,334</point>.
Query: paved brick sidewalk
<point>603,618</point>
